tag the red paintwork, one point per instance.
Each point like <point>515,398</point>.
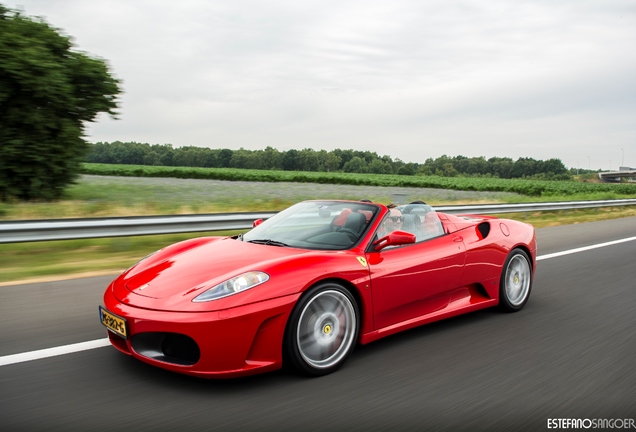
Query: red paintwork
<point>242,334</point>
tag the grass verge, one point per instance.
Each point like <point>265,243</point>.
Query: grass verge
<point>47,260</point>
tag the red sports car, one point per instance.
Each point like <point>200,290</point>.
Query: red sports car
<point>305,286</point>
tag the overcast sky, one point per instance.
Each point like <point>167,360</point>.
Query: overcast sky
<point>410,79</point>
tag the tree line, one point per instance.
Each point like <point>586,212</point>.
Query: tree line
<point>338,160</point>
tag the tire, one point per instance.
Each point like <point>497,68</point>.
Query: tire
<point>516,281</point>
<point>322,330</point>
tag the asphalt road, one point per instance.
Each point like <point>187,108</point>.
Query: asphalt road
<point>570,353</point>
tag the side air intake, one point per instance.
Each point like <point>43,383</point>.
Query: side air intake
<point>484,229</point>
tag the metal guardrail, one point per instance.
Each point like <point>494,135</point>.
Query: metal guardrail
<point>69,229</point>
<point>533,207</point>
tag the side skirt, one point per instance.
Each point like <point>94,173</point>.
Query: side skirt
<point>463,300</point>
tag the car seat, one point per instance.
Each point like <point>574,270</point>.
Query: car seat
<point>355,222</point>
<point>411,224</point>
<point>432,226</point>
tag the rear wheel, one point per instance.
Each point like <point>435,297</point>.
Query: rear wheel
<point>322,330</point>
<point>516,281</point>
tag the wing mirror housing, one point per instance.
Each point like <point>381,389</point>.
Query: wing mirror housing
<point>394,238</point>
<point>257,222</point>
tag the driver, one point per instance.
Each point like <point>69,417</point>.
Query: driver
<point>392,221</point>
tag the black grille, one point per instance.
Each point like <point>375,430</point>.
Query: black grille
<point>180,348</point>
<point>167,347</point>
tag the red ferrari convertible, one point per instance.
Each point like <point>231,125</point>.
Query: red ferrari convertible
<point>305,286</point>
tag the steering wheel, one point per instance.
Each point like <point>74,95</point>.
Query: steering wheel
<point>351,233</point>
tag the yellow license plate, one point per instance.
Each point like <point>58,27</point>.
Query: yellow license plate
<point>113,323</point>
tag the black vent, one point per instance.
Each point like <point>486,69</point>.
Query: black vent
<point>484,229</point>
<point>167,347</point>
<point>180,348</point>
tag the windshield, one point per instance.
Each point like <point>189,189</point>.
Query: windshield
<point>328,225</point>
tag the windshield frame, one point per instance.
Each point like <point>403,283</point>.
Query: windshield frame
<point>318,225</point>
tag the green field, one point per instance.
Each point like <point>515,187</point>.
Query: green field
<point>531,188</point>
<point>100,196</point>
<point>127,190</point>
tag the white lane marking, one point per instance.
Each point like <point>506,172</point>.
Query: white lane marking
<point>83,346</point>
<point>585,248</point>
<point>52,352</point>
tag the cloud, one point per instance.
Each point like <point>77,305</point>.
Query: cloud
<point>410,79</point>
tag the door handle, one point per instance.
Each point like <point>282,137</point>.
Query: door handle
<point>458,239</point>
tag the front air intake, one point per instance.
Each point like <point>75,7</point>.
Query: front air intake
<point>180,348</point>
<point>167,347</point>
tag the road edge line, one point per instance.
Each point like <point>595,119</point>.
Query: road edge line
<point>52,352</point>
<point>584,248</point>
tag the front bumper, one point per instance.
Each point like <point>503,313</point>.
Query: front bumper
<point>234,342</point>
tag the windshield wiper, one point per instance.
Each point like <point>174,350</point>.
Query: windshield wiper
<point>269,242</point>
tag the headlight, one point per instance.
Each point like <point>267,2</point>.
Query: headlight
<point>235,285</point>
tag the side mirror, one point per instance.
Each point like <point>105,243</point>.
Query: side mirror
<point>257,222</point>
<point>394,238</point>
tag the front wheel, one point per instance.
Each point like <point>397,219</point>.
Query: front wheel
<point>322,330</point>
<point>516,281</point>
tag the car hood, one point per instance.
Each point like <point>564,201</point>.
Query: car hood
<point>197,266</point>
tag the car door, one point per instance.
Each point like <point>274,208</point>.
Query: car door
<point>414,280</point>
